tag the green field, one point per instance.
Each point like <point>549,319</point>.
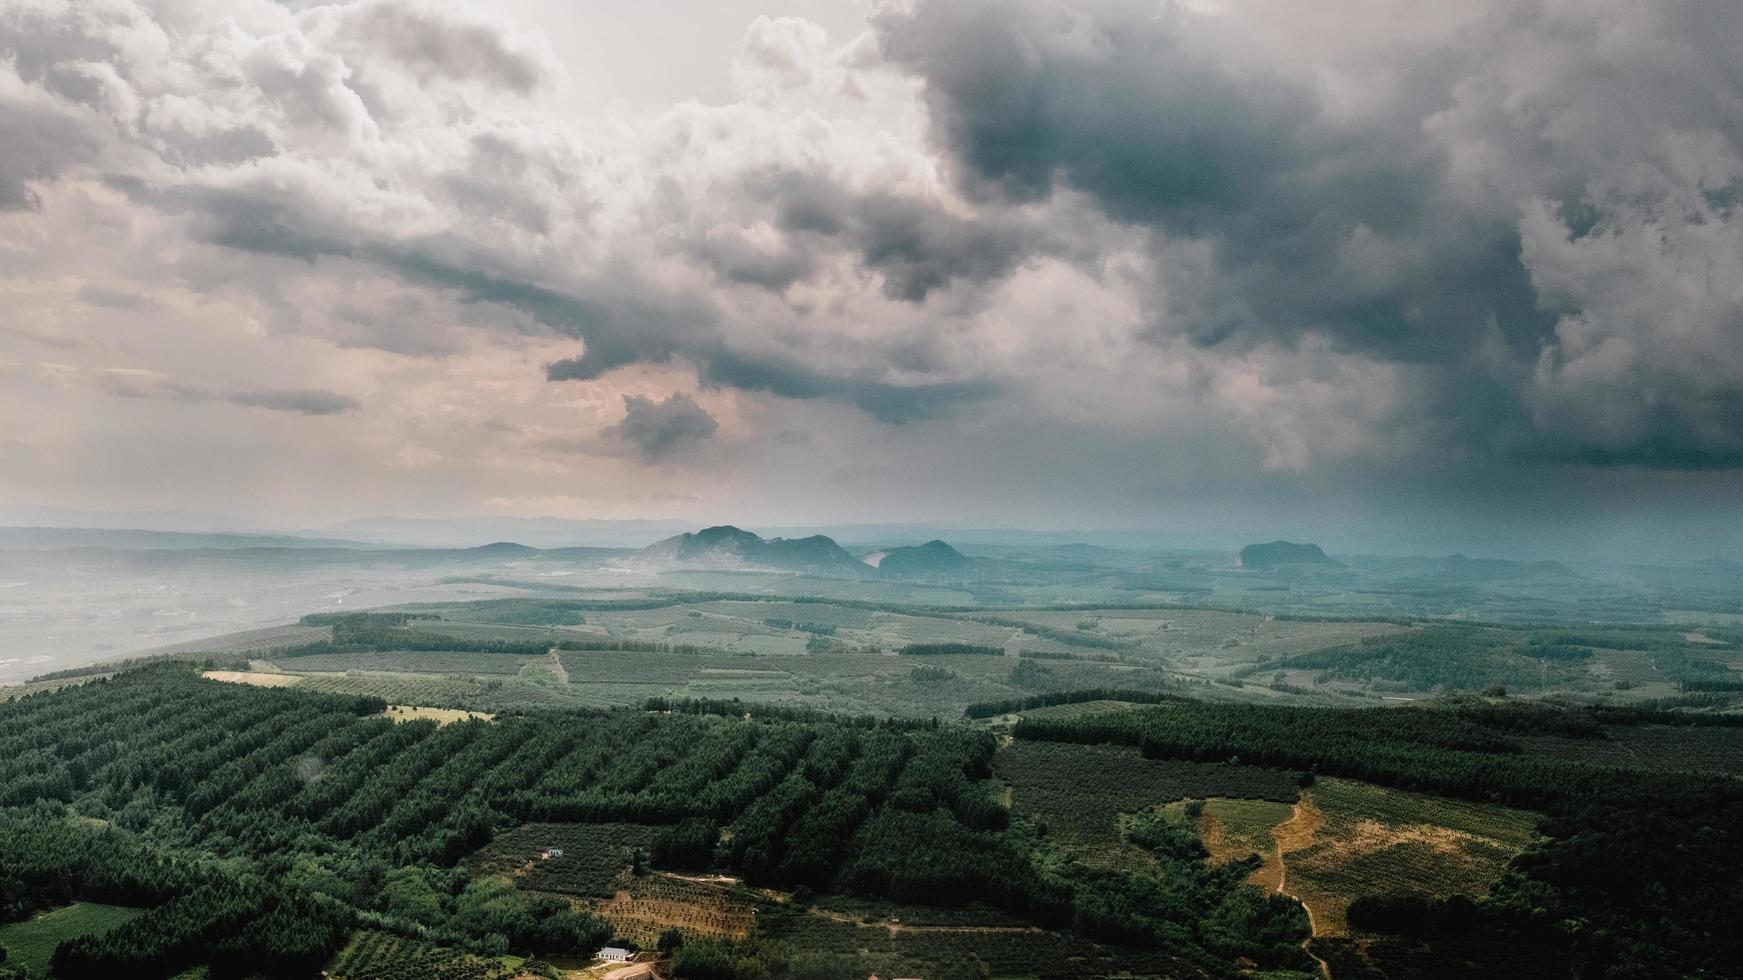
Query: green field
<point>31,943</point>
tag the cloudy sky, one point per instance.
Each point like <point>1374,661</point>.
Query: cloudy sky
<point>1054,263</point>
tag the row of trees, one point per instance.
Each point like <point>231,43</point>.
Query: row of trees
<point>326,809</point>
<point>1080,695</point>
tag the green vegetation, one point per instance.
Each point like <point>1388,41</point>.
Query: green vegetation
<point>1637,869</point>
<point>950,650</point>
<point>1077,794</point>
<point>1447,657</point>
<point>990,709</point>
<point>1132,827</point>
<point>30,944</point>
<point>383,956</point>
<point>1367,840</point>
<point>330,818</point>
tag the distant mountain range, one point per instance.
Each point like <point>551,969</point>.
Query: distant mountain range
<point>728,547</point>
<point>123,539</point>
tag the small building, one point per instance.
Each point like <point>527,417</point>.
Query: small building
<point>613,954</point>
<point>551,852</point>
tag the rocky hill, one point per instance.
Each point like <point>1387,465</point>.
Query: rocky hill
<point>728,547</point>
<point>929,560</point>
<point>1260,557</point>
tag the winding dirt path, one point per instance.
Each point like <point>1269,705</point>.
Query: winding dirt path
<point>1298,831</point>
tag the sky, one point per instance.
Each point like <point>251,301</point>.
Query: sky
<point>1469,271</point>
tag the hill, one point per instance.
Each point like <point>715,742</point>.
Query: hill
<point>725,546</point>
<point>1260,557</point>
<point>932,559</point>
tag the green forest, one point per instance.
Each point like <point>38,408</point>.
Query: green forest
<point>261,829</point>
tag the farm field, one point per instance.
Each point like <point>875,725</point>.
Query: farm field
<point>593,861</point>
<point>836,650</point>
<point>374,955</point>
<point>648,905</point>
<point>968,951</point>
<point>1233,829</point>
<point>257,678</point>
<point>1348,839</point>
<point>1079,793</point>
<point>30,944</point>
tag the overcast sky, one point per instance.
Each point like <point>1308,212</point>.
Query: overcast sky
<point>1056,263</point>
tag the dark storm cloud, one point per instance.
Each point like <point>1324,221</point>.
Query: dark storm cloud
<point>37,143</point>
<point>1356,227</point>
<point>1113,99</point>
<point>914,244</point>
<point>620,319</point>
<point>658,430</point>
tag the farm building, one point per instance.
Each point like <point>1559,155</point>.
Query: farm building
<point>613,954</point>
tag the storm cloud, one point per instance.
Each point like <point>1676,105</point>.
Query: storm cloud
<point>1499,211</point>
<point>1120,256</point>
<point>658,430</point>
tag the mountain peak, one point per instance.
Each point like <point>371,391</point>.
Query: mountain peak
<point>1275,553</point>
<point>726,546</point>
<point>933,558</point>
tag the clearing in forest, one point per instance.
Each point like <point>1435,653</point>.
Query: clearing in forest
<point>1080,792</point>
<point>441,716</point>
<point>1234,829</point>
<point>31,944</point>
<point>372,955</point>
<point>650,904</point>
<point>1348,839</point>
<point>257,678</point>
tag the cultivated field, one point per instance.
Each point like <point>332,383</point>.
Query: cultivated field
<point>588,860</point>
<point>383,956</point>
<point>30,944</point>
<point>1079,792</point>
<point>1348,839</point>
<point>1234,829</point>
<point>648,905</point>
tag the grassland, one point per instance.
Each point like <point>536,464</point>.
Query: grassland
<point>257,678</point>
<point>1233,829</point>
<point>441,716</point>
<point>31,943</point>
<point>1348,839</point>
